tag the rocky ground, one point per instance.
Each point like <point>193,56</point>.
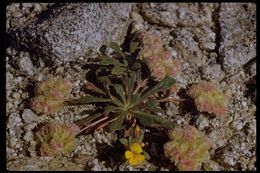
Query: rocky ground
<point>215,42</point>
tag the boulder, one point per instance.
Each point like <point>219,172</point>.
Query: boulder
<point>74,30</point>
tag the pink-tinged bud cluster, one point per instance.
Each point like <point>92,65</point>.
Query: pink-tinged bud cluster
<point>159,61</point>
<point>50,94</point>
<point>54,87</point>
<point>187,148</point>
<point>208,98</point>
<point>57,139</point>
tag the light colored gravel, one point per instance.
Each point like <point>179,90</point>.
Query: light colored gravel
<point>196,43</point>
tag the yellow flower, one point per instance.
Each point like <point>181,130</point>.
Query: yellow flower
<point>134,156</point>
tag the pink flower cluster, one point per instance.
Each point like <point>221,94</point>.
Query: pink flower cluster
<point>208,98</point>
<point>56,138</point>
<point>187,148</point>
<point>50,94</point>
<point>159,61</point>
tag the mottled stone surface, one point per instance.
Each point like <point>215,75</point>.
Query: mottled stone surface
<point>43,164</point>
<point>179,14</point>
<point>238,34</point>
<point>214,41</point>
<point>187,47</point>
<point>74,30</point>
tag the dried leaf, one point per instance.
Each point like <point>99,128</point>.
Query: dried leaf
<point>94,88</point>
<point>87,120</point>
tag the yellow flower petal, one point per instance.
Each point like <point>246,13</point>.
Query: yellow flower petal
<point>129,154</point>
<point>140,158</point>
<point>136,148</point>
<point>133,161</point>
<point>136,159</point>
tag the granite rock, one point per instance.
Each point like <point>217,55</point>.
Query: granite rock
<point>74,30</point>
<point>179,14</point>
<point>237,34</point>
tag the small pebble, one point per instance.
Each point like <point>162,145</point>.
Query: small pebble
<point>16,96</point>
<point>28,136</point>
<point>244,103</point>
<point>202,122</point>
<point>29,116</point>
<point>229,160</point>
<point>13,141</point>
<point>236,125</point>
<point>25,64</point>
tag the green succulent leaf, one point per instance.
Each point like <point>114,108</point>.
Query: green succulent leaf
<point>151,104</point>
<point>86,100</point>
<point>117,48</point>
<point>151,119</point>
<point>120,91</point>
<point>105,80</point>
<point>123,141</point>
<point>164,84</point>
<point>135,98</point>
<point>131,81</point>
<point>130,140</point>
<point>117,102</point>
<point>118,70</point>
<point>125,63</point>
<point>133,46</point>
<point>106,60</point>
<point>145,121</point>
<point>141,137</point>
<point>146,155</point>
<point>118,123</point>
<point>136,66</point>
<point>110,108</point>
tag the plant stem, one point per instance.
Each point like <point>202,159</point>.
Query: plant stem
<point>98,121</point>
<point>139,85</point>
<point>106,123</point>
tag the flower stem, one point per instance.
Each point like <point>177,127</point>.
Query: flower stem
<point>93,124</point>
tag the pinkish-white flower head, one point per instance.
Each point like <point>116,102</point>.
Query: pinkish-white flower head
<point>57,138</point>
<point>159,61</point>
<point>187,148</point>
<point>208,98</point>
<point>49,95</point>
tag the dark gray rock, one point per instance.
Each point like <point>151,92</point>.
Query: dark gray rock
<point>74,30</point>
<point>238,34</point>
